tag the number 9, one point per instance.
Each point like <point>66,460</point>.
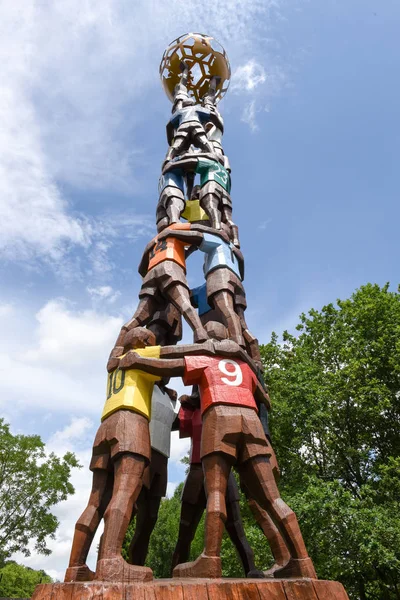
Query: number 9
<point>236,374</point>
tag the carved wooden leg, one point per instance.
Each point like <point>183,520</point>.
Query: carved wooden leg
<point>235,529</point>
<point>87,525</point>
<point>190,519</point>
<point>224,302</point>
<point>257,476</point>
<point>128,472</point>
<point>180,297</point>
<point>146,519</point>
<point>275,540</point>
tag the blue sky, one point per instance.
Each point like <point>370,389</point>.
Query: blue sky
<point>313,136</point>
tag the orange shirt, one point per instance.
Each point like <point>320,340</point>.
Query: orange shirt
<point>169,249</point>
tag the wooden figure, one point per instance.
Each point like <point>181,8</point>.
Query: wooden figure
<point>155,477</point>
<point>232,434</point>
<point>224,271</point>
<point>186,126</point>
<point>121,452</point>
<point>163,267</point>
<point>194,497</point>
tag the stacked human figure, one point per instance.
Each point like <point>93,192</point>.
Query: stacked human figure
<point>227,412</point>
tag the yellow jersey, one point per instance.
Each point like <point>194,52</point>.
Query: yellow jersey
<point>131,389</point>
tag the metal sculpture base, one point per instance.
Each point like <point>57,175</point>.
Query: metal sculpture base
<point>195,589</point>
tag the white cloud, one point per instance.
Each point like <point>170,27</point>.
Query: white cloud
<point>71,97</point>
<point>249,115</point>
<point>103,292</point>
<point>179,447</point>
<point>248,76</point>
<point>69,339</point>
<point>6,310</point>
<point>171,487</point>
<point>60,366</point>
<point>260,83</point>
<point>62,440</point>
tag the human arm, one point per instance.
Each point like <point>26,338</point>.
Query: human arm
<point>204,229</point>
<point>261,395</point>
<point>144,263</point>
<point>193,238</point>
<point>209,97</point>
<point>154,366</point>
<point>240,259</point>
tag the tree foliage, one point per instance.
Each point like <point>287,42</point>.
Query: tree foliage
<point>31,483</point>
<point>17,581</point>
<point>336,415</point>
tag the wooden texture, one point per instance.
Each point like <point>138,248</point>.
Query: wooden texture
<point>273,591</point>
<point>195,589</point>
<point>333,591</point>
<point>299,590</point>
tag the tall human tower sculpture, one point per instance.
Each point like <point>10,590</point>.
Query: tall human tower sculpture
<point>194,213</point>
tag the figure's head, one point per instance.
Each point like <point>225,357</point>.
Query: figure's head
<point>216,330</point>
<point>139,337</point>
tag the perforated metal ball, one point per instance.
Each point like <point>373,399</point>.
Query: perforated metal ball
<point>205,58</point>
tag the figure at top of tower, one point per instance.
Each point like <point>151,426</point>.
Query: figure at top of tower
<point>187,124</point>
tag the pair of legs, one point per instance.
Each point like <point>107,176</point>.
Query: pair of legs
<point>112,498</point>
<point>176,291</point>
<point>224,301</point>
<point>170,207</point>
<point>257,476</point>
<point>148,504</point>
<point>146,518</point>
<point>215,201</point>
<point>191,132</point>
<point>192,508</point>
<point>275,540</point>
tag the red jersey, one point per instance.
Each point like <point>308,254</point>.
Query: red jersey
<point>190,425</point>
<point>169,249</point>
<point>221,381</point>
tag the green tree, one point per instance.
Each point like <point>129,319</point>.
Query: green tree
<point>31,483</point>
<point>17,581</point>
<point>335,390</point>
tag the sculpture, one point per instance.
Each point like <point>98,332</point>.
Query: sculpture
<point>121,452</point>
<point>232,434</point>
<point>228,417</point>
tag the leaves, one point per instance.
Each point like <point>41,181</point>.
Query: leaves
<point>31,483</point>
<point>335,421</point>
<point>17,581</point>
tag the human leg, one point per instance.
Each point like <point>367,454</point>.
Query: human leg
<point>180,297</point>
<point>144,312</point>
<point>256,474</point>
<point>87,525</point>
<point>224,301</point>
<point>210,203</point>
<point>128,472</point>
<point>275,540</point>
<point>200,140</point>
<point>216,467</point>
<point>251,342</point>
<point>146,519</point>
<point>226,215</point>
<point>235,529</point>
<point>189,521</point>
<point>192,508</point>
